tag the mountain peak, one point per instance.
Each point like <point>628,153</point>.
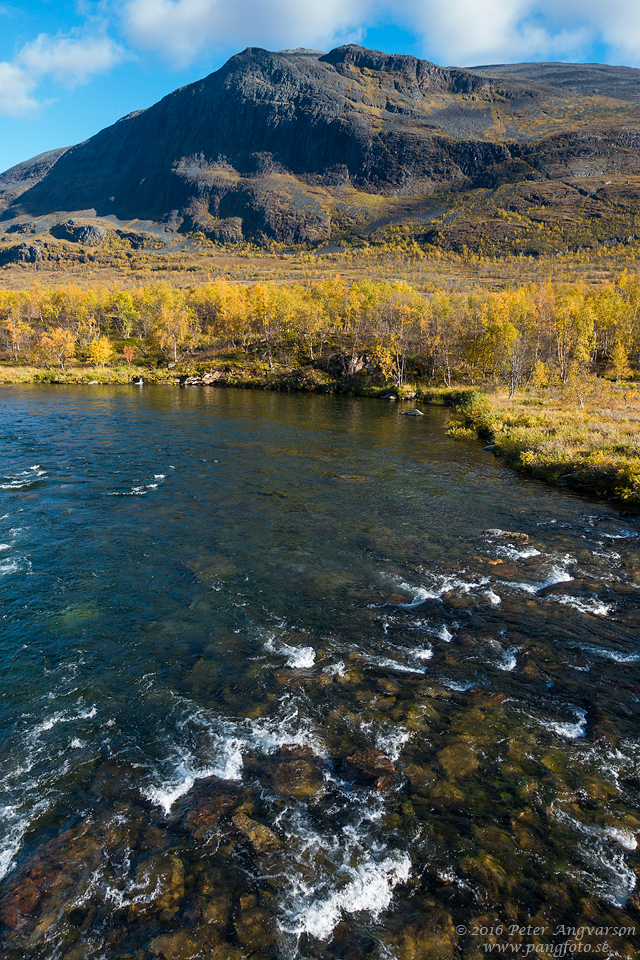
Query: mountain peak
<point>293,145</point>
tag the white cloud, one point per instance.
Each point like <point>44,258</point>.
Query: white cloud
<point>506,31</point>
<point>67,60</point>
<point>495,31</point>
<point>16,87</point>
<point>70,60</point>
<point>182,30</point>
<point>458,31</point>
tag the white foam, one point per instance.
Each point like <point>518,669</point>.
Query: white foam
<point>16,822</point>
<point>445,635</point>
<point>24,479</point>
<point>493,597</point>
<point>625,838</point>
<point>596,607</point>
<point>425,654</point>
<point>418,594</point>
<point>391,664</point>
<point>369,889</point>
<point>227,741</point>
<point>303,658</point>
<point>391,742</point>
<point>458,685</point>
<point>140,489</point>
<point>517,553</point>
<point>610,654</point>
<point>609,875</point>
<point>164,795</point>
<point>298,658</point>
<point>557,575</point>
<point>509,660</point>
<point>29,791</point>
<point>564,728</point>
<point>441,585</point>
<point>336,669</point>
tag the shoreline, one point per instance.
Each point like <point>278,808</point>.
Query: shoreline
<point>523,430</point>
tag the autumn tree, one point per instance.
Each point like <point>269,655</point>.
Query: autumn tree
<point>58,345</point>
<point>100,351</point>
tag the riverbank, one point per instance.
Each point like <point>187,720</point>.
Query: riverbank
<point>590,443</point>
<point>587,439</point>
<point>257,376</point>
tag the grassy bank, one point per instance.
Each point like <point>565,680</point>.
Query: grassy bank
<point>590,442</point>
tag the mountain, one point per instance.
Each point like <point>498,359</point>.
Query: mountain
<point>17,180</point>
<point>300,146</point>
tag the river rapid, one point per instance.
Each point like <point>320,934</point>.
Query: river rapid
<point>298,676</point>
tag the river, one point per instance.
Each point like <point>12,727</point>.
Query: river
<point>298,676</point>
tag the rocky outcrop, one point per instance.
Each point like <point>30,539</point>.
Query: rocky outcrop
<point>22,253</point>
<point>89,234</point>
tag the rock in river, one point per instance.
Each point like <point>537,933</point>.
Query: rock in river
<point>370,768</point>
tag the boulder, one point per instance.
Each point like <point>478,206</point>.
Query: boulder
<point>299,775</point>
<point>261,838</point>
<point>25,227</point>
<point>89,234</point>
<point>206,804</point>
<point>23,253</point>
<point>370,767</point>
<point>510,535</point>
<point>412,413</point>
<point>159,887</point>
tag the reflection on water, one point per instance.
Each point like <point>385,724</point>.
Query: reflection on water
<point>296,676</point>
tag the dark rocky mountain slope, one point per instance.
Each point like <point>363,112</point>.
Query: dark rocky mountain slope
<point>300,146</point>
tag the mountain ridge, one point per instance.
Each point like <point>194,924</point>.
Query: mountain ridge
<point>302,146</point>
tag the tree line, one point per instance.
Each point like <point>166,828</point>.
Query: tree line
<point>521,335</point>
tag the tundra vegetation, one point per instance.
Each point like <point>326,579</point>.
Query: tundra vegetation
<point>546,370</point>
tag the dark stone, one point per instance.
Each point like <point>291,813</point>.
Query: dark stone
<point>206,804</point>
<point>24,253</point>
<point>369,768</point>
<point>89,234</point>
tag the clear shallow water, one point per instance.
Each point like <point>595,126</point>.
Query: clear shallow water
<point>211,599</point>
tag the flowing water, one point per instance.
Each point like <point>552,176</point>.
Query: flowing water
<point>298,676</point>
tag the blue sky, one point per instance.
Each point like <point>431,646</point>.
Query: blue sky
<point>68,68</point>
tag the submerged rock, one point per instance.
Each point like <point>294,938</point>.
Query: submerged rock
<point>254,927</point>
<point>217,912</point>
<point>182,945</point>
<point>261,838</point>
<point>299,775</point>
<point>199,942</point>
<point>370,768</point>
<point>412,413</point>
<point>160,887</point>
<point>433,938</point>
<point>205,805</point>
<point>50,877</point>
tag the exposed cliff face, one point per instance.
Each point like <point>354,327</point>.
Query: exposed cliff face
<point>17,180</point>
<point>295,145</point>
